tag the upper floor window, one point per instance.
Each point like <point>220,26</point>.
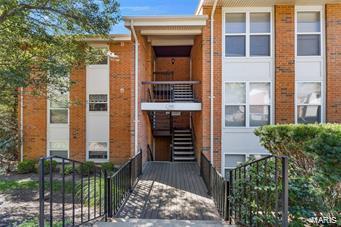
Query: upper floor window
<point>59,109</point>
<point>308,102</point>
<point>98,151</point>
<point>247,104</point>
<point>308,33</point>
<point>101,57</point>
<point>248,34</point>
<point>59,148</point>
<point>98,102</point>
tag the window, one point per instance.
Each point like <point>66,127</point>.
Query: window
<point>98,102</point>
<point>59,149</point>
<point>247,104</point>
<point>101,57</point>
<point>247,34</point>
<point>308,102</point>
<point>59,109</point>
<point>308,34</point>
<point>98,150</point>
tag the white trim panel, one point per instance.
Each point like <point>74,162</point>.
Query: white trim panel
<point>166,106</point>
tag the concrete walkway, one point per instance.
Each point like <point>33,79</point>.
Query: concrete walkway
<point>170,190</point>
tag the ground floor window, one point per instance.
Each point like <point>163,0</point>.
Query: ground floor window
<point>308,102</point>
<point>59,148</point>
<point>98,151</point>
<point>247,104</point>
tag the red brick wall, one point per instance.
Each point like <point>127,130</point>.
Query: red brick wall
<point>77,113</point>
<point>181,67</point>
<point>121,88</point>
<point>217,52</point>
<point>333,46</point>
<point>285,64</point>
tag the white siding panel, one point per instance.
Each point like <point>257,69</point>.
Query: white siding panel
<point>58,133</point>
<point>247,71</point>
<point>241,143</point>
<point>309,70</point>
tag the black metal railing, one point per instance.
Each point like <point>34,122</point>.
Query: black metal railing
<point>75,193</point>
<point>163,91</point>
<point>255,193</point>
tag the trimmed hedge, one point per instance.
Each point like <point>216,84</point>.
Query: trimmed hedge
<point>314,152</point>
<point>26,166</point>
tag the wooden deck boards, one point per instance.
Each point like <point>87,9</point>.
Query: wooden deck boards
<point>170,190</point>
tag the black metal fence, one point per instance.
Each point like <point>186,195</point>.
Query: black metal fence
<point>255,193</point>
<point>74,193</point>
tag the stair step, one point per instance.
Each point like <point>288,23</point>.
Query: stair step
<point>183,153</point>
<point>182,130</point>
<point>182,148</point>
<point>183,143</point>
<point>184,158</point>
<point>182,138</point>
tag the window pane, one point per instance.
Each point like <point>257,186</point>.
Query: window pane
<point>309,93</point>
<point>259,115</point>
<point>101,57</point>
<point>233,160</point>
<point>235,46</point>
<point>97,98</point>
<point>260,22</point>
<point>97,106</point>
<point>98,146</point>
<point>308,114</point>
<point>59,101</point>
<point>308,22</point>
<point>308,45</point>
<point>259,93</point>
<point>98,154</point>
<point>59,116</point>
<point>58,145</point>
<point>235,23</point>
<point>260,45</point>
<point>60,153</point>
<point>235,93</point>
<point>235,116</point>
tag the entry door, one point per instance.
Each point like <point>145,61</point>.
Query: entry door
<point>162,148</point>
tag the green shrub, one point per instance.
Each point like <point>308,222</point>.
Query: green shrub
<point>86,168</point>
<point>68,170</point>
<point>314,166</point>
<point>47,164</point>
<point>26,166</point>
<point>108,166</point>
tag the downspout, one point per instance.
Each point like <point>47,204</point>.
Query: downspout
<point>21,124</point>
<point>136,116</point>
<point>212,82</point>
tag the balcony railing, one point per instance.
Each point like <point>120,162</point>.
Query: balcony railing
<point>169,91</point>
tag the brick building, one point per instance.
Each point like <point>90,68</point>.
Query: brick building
<point>190,84</point>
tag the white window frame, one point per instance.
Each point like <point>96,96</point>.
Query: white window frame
<point>98,160</point>
<point>100,46</point>
<point>58,141</point>
<point>298,104</point>
<point>247,104</point>
<point>49,113</point>
<point>98,111</point>
<point>248,33</point>
<point>299,9</point>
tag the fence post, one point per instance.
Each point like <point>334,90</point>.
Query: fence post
<point>285,191</point>
<point>131,180</point>
<point>227,201</point>
<point>107,196</point>
<point>41,192</point>
<point>209,179</point>
<point>230,196</point>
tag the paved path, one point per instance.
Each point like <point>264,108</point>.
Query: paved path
<point>170,190</point>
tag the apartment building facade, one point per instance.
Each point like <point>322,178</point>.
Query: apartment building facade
<point>183,85</point>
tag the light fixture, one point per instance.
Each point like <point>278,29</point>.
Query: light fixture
<point>113,56</point>
<point>173,61</point>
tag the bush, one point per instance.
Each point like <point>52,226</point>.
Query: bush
<point>47,164</point>
<point>108,166</point>
<point>26,166</point>
<point>68,170</point>
<point>314,166</point>
<point>86,168</point>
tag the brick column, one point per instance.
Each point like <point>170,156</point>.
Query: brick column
<point>285,64</point>
<point>77,114</point>
<point>333,46</point>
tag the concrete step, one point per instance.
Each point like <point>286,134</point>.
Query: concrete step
<point>132,222</point>
<point>182,138</point>
<point>183,143</point>
<point>182,148</point>
<point>182,134</point>
<point>184,158</point>
<point>183,153</point>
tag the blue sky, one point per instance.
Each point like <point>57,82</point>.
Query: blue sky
<point>152,8</point>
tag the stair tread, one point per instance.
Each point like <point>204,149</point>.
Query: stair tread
<point>184,158</point>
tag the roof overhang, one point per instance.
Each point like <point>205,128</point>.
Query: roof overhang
<point>259,3</point>
<point>106,39</point>
<point>167,25</point>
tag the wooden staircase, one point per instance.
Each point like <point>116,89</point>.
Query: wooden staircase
<point>182,145</point>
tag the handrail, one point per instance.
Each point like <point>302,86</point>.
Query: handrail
<point>172,82</point>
